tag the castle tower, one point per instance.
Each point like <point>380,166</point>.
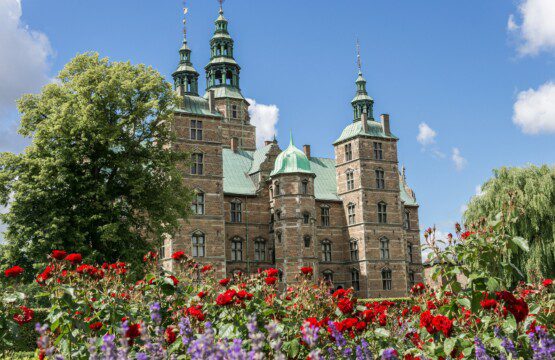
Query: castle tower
<point>223,80</point>
<point>368,185</point>
<point>293,209</point>
<point>197,127</point>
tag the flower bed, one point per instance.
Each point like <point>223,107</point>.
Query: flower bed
<point>97,312</point>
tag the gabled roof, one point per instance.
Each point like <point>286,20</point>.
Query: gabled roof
<point>375,129</point>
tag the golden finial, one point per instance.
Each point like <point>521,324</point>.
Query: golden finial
<point>359,62</point>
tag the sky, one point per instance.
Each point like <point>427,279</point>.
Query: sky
<point>469,85</point>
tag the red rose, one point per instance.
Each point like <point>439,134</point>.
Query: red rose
<point>430,304</point>
<point>170,335</point>
<point>206,268</point>
<point>382,319</point>
<point>45,275</point>
<point>151,255</point>
<point>416,309</point>
<point>547,282</point>
<point>74,258</point>
<point>488,304</point>
<point>95,326</point>
<point>519,309</point>
<point>58,254</point>
<point>225,281</point>
<point>243,294</point>
<point>178,255</point>
<point>443,324</point>
<point>345,305</point>
<point>24,317</point>
<point>426,319</point>
<point>174,279</point>
<point>271,272</point>
<point>134,331</point>
<point>196,312</point>
<point>418,288</point>
<point>225,298</point>
<point>360,326</point>
<point>270,280</point>
<point>466,234</point>
<point>14,271</point>
<point>307,270</point>
<point>201,294</point>
<point>340,293</point>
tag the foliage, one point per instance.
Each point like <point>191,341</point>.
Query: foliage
<point>526,199</point>
<point>100,177</point>
<point>98,312</point>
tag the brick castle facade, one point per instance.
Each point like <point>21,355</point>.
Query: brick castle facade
<point>352,218</point>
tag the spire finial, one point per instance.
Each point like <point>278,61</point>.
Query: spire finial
<point>290,137</point>
<point>359,62</point>
<point>185,11</point>
<point>221,6</point>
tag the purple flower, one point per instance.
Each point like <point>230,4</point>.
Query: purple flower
<point>310,334</point>
<point>257,340</point>
<point>155,313</point>
<point>339,339</point>
<point>275,341</point>
<point>390,354</point>
<point>109,347</point>
<point>366,350</point>
<point>480,349</point>
<point>542,344</point>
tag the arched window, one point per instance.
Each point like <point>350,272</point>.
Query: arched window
<point>406,220</point>
<point>198,240</point>
<point>307,241</point>
<point>218,73</point>
<point>304,187</point>
<point>306,218</point>
<point>350,179</point>
<point>380,179</point>
<point>229,78</point>
<point>271,192</point>
<point>384,248</point>
<point>236,213</point>
<point>386,279</point>
<point>197,164</point>
<point>382,213</point>
<point>271,222</point>
<point>328,276</point>
<point>260,249</point>
<point>325,215</point>
<point>278,215</point>
<point>355,279</point>
<point>278,189</point>
<point>197,205</point>
<point>351,213</point>
<point>280,275</point>
<point>236,249</point>
<point>353,247</point>
<point>409,252</point>
<point>278,237</point>
<point>326,250</point>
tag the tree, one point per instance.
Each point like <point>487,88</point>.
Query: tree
<point>525,197</point>
<point>100,176</point>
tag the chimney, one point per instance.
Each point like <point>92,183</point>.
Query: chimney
<point>385,124</point>
<point>234,143</point>
<point>306,149</point>
<point>363,119</point>
<point>211,102</point>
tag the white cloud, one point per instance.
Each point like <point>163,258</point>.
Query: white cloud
<point>10,140</point>
<point>265,118</point>
<point>537,31</point>
<point>534,110</point>
<point>459,161</point>
<point>426,135</point>
<point>24,59</point>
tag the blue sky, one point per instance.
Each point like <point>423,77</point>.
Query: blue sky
<point>472,78</point>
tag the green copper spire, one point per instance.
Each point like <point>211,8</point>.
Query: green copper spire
<point>362,103</point>
<point>291,160</point>
<point>185,77</point>
<point>222,71</point>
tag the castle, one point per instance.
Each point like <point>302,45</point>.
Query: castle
<point>352,218</point>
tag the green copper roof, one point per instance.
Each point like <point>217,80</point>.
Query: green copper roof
<point>407,195</point>
<point>361,97</point>
<point>239,165</point>
<point>226,92</point>
<point>184,67</point>
<point>325,183</point>
<point>291,160</point>
<point>375,129</point>
<point>222,60</point>
<point>195,105</point>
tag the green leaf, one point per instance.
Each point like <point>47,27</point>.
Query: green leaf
<point>382,332</point>
<point>465,302</point>
<point>509,325</point>
<point>492,284</point>
<point>521,243</point>
<point>448,345</point>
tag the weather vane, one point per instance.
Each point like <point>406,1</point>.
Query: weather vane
<point>185,11</point>
<point>359,63</point>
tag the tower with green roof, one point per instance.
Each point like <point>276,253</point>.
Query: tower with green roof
<point>223,82</point>
<point>293,208</point>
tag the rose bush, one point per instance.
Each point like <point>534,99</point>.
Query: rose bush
<point>97,312</point>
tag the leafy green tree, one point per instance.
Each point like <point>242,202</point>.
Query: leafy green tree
<point>525,198</point>
<point>100,176</point>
